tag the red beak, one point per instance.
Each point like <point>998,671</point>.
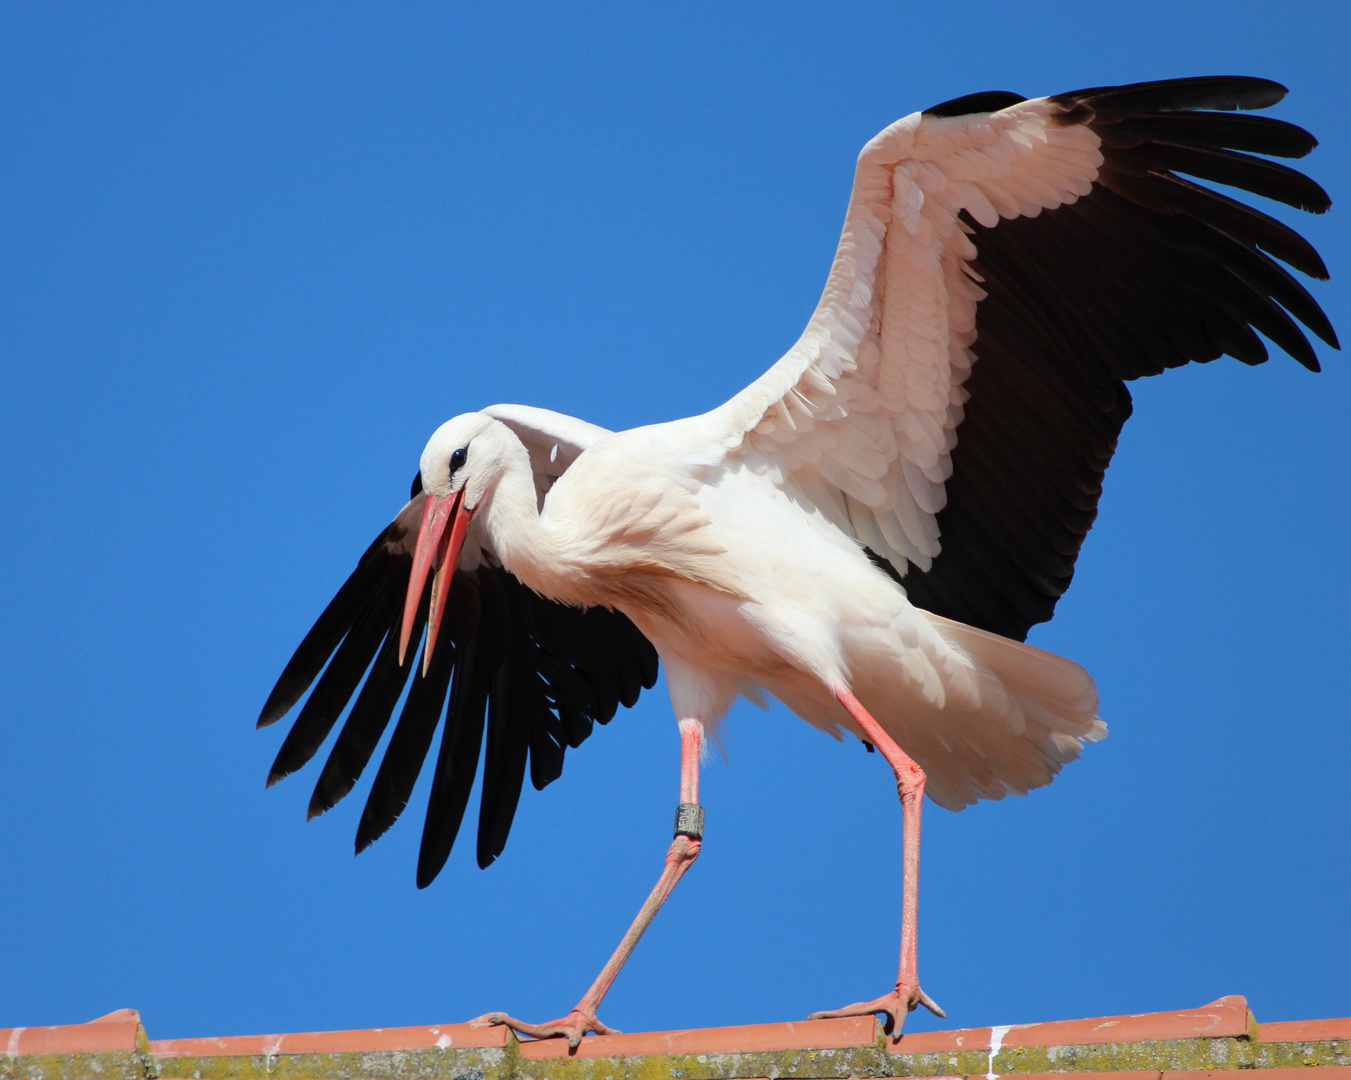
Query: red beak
<point>435,543</point>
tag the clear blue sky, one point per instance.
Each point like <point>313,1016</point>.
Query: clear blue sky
<point>254,254</point>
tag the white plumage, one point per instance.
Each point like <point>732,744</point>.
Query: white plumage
<point>866,531</point>
<point>743,581</point>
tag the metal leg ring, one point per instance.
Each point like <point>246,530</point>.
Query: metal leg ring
<point>690,820</point>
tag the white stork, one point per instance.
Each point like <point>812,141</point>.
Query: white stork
<point>869,529</point>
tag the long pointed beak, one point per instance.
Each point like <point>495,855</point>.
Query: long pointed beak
<point>445,572</point>
<point>435,543</point>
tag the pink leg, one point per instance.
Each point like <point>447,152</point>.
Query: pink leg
<point>910,784</point>
<point>683,851</point>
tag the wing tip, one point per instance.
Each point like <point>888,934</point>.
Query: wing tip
<point>1225,93</point>
<point>364,839</point>
<point>318,806</point>
<point>428,871</point>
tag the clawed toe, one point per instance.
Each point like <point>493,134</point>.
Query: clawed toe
<point>572,1027</point>
<point>893,1006</point>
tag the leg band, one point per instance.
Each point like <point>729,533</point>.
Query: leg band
<point>690,820</point>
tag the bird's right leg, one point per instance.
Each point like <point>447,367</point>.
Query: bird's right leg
<point>906,994</point>
<point>684,849</point>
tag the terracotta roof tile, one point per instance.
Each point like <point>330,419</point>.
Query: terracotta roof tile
<point>1305,1030</point>
<point>1227,1022</point>
<point>1227,1016</point>
<point>745,1039</point>
<point>113,1033</point>
<point>940,1042</point>
<point>441,1037</point>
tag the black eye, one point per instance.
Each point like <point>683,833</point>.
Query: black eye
<point>457,459</point>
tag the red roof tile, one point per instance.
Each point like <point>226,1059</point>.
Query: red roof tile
<point>113,1033</point>
<point>117,1032</point>
<point>441,1037</point>
<point>746,1039</point>
<point>1305,1030</point>
<point>939,1042</point>
<point>1227,1016</point>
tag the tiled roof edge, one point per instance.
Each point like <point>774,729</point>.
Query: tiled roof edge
<point>1187,1044</point>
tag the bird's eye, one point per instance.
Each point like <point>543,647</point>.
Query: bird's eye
<point>457,459</point>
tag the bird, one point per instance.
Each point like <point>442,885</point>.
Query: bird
<point>868,531</point>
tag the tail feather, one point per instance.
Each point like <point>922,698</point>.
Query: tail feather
<point>1028,714</point>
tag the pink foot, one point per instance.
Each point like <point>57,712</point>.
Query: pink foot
<point>573,1026</point>
<point>894,1006</point>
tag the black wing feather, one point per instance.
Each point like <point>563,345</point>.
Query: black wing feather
<point>365,724</point>
<point>398,772</point>
<point>536,674</point>
<point>1176,95</point>
<point>461,740</point>
<point>1257,175</point>
<point>1148,271</point>
<point>510,705</point>
<point>338,683</point>
<point>985,101</point>
<point>329,629</point>
<point>1254,134</point>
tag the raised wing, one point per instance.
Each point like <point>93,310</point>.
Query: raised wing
<point>533,674</point>
<point>1005,266</point>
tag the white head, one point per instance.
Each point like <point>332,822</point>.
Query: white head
<point>461,466</point>
<point>468,453</point>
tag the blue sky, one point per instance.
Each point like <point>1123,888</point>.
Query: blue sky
<point>255,254</point>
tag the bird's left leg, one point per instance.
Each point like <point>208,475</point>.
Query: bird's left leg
<point>910,784</point>
<point>684,849</point>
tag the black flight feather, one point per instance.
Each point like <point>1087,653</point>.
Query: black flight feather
<point>532,674</point>
<point>394,780</point>
<point>461,742</point>
<point>1149,270</point>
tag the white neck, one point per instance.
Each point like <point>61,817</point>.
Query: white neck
<point>523,541</point>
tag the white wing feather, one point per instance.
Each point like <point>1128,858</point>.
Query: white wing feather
<point>861,414</point>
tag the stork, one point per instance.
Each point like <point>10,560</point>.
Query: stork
<point>867,531</point>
